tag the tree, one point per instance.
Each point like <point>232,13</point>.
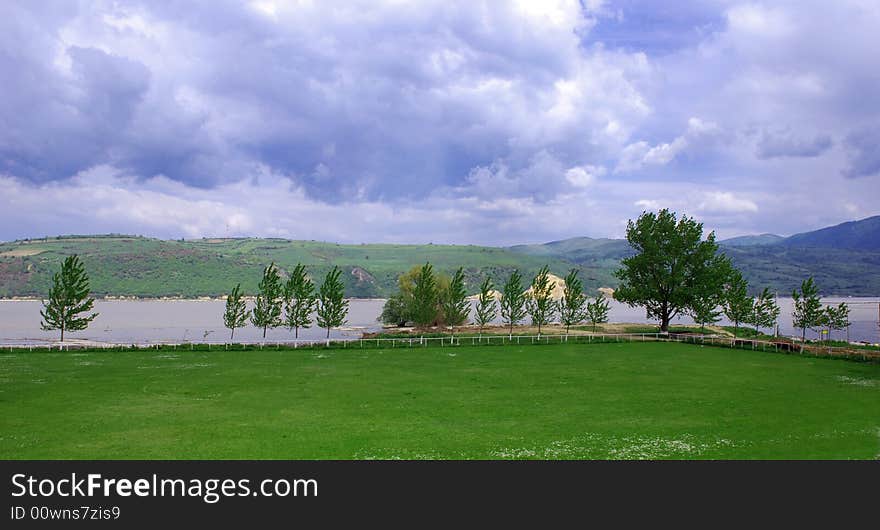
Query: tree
<point>597,310</point>
<point>539,303</point>
<point>405,307</point>
<point>456,307</point>
<point>486,310</point>
<point>765,311</point>
<point>513,301</point>
<point>807,307</point>
<point>836,318</point>
<point>704,310</point>
<point>395,311</point>
<point>572,305</point>
<point>671,267</point>
<point>332,305</point>
<point>68,299</point>
<point>236,314</point>
<point>425,297</point>
<point>270,296</point>
<point>300,300</point>
<point>738,305</point>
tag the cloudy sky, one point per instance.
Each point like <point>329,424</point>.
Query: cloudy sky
<point>459,122</point>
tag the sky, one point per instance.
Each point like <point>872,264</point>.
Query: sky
<point>435,121</point>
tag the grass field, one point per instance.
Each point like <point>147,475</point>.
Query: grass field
<point>618,401</point>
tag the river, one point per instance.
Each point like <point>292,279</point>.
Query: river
<point>149,321</point>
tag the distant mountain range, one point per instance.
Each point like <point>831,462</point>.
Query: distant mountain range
<point>844,260</point>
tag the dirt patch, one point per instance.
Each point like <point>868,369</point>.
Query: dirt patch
<point>362,275</point>
<point>22,252</point>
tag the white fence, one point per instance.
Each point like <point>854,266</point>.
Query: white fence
<point>816,349</point>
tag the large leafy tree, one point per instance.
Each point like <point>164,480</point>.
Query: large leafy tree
<point>572,308</point>
<point>456,307</point>
<point>807,312</point>
<point>765,311</point>
<point>332,305</point>
<point>738,305</point>
<point>597,310</point>
<point>539,303</point>
<point>236,314</point>
<point>672,265</point>
<point>425,297</point>
<point>68,299</point>
<point>486,309</point>
<point>300,300</point>
<point>270,297</point>
<point>513,301</point>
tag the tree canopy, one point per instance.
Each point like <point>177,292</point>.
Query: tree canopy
<point>332,305</point>
<point>672,267</point>
<point>267,306</point>
<point>572,308</point>
<point>236,313</point>
<point>513,301</point>
<point>300,300</point>
<point>68,299</point>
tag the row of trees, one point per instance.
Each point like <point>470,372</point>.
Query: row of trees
<point>426,299</point>
<point>672,272</point>
<point>808,312</point>
<point>289,304</point>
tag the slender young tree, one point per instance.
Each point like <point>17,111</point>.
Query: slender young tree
<point>672,265</point>
<point>765,311</point>
<point>236,314</point>
<point>425,297</point>
<point>68,299</point>
<point>300,300</point>
<point>572,307</point>
<point>704,310</point>
<point>738,305</point>
<point>332,305</point>
<point>270,298</point>
<point>836,318</point>
<point>842,318</point>
<point>597,310</point>
<point>540,304</point>
<point>456,307</point>
<point>513,301</point>
<point>807,307</point>
<point>486,310</point>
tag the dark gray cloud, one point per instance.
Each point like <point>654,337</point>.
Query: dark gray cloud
<point>864,151</point>
<point>785,143</point>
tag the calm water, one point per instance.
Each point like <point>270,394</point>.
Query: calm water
<point>126,321</point>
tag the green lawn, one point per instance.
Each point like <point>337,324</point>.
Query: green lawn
<point>627,400</point>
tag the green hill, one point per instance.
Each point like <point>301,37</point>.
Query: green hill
<point>844,260</point>
<point>860,235</point>
<point>145,267</point>
<point>748,241</point>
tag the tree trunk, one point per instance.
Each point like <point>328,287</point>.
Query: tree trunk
<point>264,331</point>
<point>62,333</point>
<point>296,332</point>
<point>804,334</point>
<point>328,332</point>
<point>232,335</point>
<point>735,328</point>
<point>664,323</point>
